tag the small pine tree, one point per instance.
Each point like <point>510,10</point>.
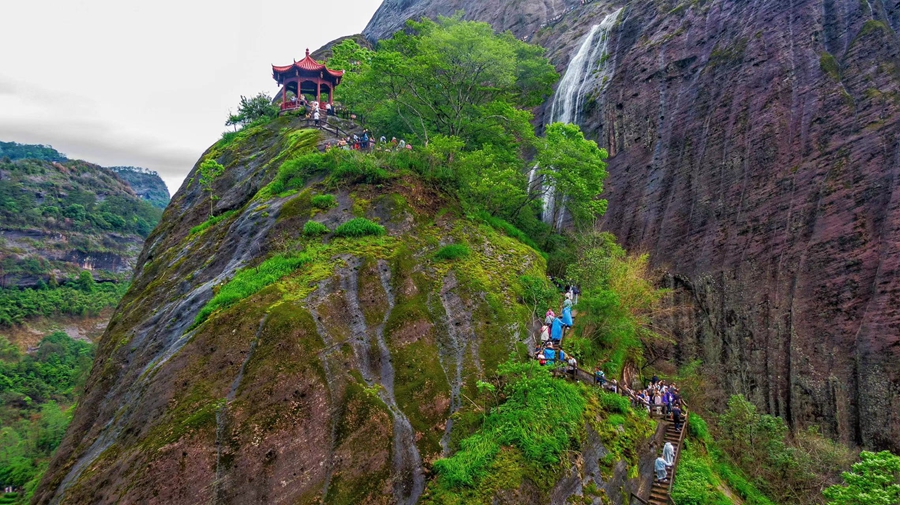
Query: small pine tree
<point>210,170</point>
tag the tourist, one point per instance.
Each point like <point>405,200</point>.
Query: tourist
<point>669,454</point>
<point>573,365</point>
<point>575,292</point>
<point>556,330</point>
<point>329,109</point>
<point>660,466</point>
<point>545,333</point>
<point>382,140</point>
<point>599,377</point>
<point>676,418</point>
<point>567,317</point>
<point>402,144</point>
<point>550,355</point>
<point>316,117</point>
<point>549,317</point>
<point>365,140</point>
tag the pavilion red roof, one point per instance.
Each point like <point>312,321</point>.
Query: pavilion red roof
<point>308,64</point>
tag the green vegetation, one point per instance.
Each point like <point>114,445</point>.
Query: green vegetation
<point>359,227</point>
<point>208,172</point>
<point>314,229</point>
<point>37,392</point>
<point>77,298</point>
<point>830,66</point>
<point>452,251</point>
<point>36,194</point>
<point>480,143</point>
<point>323,202</point>
<point>874,480</point>
<point>253,110</point>
<point>619,299</point>
<point>145,182</point>
<point>539,417</point>
<point>15,151</point>
<point>212,221</point>
<point>251,280</point>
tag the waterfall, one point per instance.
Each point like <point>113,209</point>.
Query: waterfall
<point>589,65</point>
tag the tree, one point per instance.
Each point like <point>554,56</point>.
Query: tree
<point>575,167</point>
<point>874,480</point>
<point>251,110</point>
<point>86,282</point>
<point>441,78</point>
<point>210,170</point>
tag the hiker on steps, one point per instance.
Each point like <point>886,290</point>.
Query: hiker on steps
<point>567,318</point>
<point>556,330</point>
<point>676,417</point>
<point>660,466</point>
<point>669,454</point>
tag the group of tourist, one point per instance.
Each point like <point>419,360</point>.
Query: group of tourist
<point>366,142</point>
<point>659,396</point>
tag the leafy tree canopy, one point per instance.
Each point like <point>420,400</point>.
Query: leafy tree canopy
<point>874,480</point>
<point>253,109</point>
<point>442,77</point>
<point>466,93</point>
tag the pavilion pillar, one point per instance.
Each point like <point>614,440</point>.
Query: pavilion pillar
<point>319,92</point>
<point>283,94</point>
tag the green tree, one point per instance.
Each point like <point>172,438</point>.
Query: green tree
<point>441,77</point>
<point>253,109</point>
<point>86,282</point>
<point>874,480</point>
<point>575,167</point>
<point>210,170</point>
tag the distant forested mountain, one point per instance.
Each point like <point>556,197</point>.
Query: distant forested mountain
<point>62,227</point>
<point>15,151</point>
<point>146,183</point>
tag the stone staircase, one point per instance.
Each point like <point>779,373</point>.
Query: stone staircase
<point>661,491</point>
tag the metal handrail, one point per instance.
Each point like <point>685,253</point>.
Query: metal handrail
<point>633,495</point>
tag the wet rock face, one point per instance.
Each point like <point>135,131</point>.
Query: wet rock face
<point>757,161</point>
<point>333,385</point>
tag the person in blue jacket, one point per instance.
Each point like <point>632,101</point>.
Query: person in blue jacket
<point>556,330</point>
<point>550,356</point>
<point>567,317</point>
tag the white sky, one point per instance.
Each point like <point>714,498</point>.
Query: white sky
<point>149,83</point>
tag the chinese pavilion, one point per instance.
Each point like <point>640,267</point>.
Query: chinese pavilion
<point>307,76</point>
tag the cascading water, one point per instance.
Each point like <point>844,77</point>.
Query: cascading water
<point>589,65</point>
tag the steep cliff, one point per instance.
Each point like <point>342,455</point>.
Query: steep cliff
<point>334,382</point>
<point>754,154</point>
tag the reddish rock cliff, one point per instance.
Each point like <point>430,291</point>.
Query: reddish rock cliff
<point>755,156</point>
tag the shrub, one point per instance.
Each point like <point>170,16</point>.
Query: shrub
<point>614,403</point>
<point>323,202</point>
<point>507,228</point>
<point>314,229</point>
<point>540,417</point>
<point>359,227</point>
<point>251,280</point>
<point>452,252</point>
<point>211,222</point>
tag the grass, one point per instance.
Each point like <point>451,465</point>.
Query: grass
<point>251,280</point>
<point>453,252</point>
<point>507,228</point>
<point>359,227</point>
<point>200,228</point>
<point>314,229</point>
<point>323,202</point>
<point>539,417</point>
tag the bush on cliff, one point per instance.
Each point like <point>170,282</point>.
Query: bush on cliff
<point>251,280</point>
<point>539,416</point>
<point>359,227</point>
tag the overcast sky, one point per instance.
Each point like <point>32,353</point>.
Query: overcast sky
<point>149,83</point>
